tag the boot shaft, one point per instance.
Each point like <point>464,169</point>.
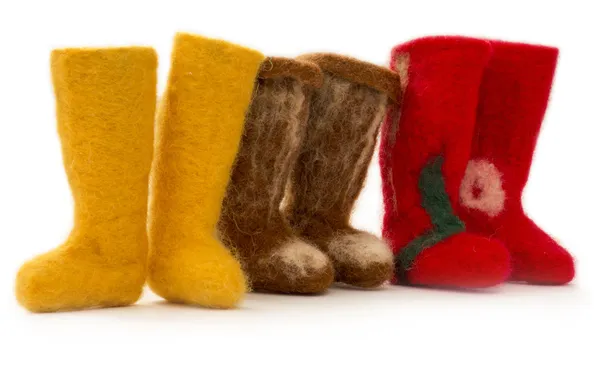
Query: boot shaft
<point>274,129</point>
<point>441,76</point>
<point>198,133</point>
<point>513,98</point>
<point>105,102</point>
<point>343,124</point>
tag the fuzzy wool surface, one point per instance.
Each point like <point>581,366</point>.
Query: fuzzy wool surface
<point>513,97</point>
<point>481,188</point>
<point>358,71</point>
<point>441,78</point>
<point>251,222</point>
<point>105,102</point>
<point>198,132</point>
<point>344,121</point>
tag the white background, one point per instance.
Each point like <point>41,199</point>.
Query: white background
<point>512,326</point>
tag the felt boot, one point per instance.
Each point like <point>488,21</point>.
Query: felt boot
<point>423,156</point>
<point>251,222</point>
<point>199,128</point>
<point>344,121</point>
<point>105,100</point>
<point>513,98</point>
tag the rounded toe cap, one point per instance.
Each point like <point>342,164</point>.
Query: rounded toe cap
<point>296,267</point>
<point>361,259</point>
<point>213,278</point>
<point>462,261</point>
<point>545,265</point>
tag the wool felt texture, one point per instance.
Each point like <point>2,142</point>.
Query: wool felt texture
<point>343,124</point>
<point>198,132</point>
<point>513,98</point>
<point>358,71</point>
<point>423,155</point>
<point>105,102</point>
<point>274,259</point>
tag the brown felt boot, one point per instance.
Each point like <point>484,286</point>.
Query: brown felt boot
<point>251,222</point>
<point>344,120</point>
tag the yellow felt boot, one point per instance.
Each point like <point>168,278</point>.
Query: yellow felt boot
<point>105,101</point>
<point>199,129</point>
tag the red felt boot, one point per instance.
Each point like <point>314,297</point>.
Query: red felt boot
<point>423,155</point>
<point>513,98</point>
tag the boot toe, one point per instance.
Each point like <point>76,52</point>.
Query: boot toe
<point>461,261</point>
<point>209,276</point>
<point>361,259</point>
<point>57,281</point>
<point>548,264</point>
<point>295,267</point>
